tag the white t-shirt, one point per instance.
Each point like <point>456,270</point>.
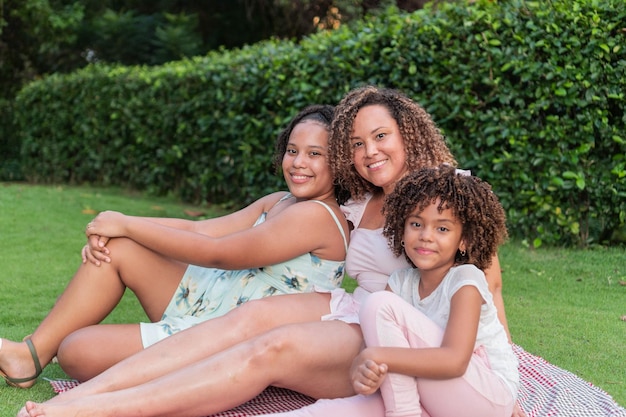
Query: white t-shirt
<point>436,306</point>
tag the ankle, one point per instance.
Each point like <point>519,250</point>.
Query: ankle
<point>19,363</point>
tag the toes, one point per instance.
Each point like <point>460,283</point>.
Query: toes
<point>32,409</point>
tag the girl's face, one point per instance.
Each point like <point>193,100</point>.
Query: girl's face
<point>305,163</point>
<point>378,150</point>
<point>431,239</point>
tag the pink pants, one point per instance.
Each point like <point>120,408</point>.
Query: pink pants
<point>357,406</point>
<point>388,320</point>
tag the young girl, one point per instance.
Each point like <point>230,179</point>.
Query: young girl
<point>435,346</point>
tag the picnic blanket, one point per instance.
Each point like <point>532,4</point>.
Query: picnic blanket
<point>545,391</point>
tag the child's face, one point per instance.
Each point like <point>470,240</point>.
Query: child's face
<point>431,239</point>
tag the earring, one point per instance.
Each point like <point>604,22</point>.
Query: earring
<point>402,243</point>
<point>463,253</point>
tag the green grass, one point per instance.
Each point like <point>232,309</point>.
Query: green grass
<point>567,306</point>
<point>41,234</point>
<point>563,305</point>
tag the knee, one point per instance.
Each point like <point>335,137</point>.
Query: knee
<point>121,246</point>
<point>272,350</point>
<point>377,303</point>
<point>73,354</point>
<point>122,251</point>
<point>252,318</point>
<point>82,355</point>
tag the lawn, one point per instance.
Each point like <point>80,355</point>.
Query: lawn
<point>564,305</point>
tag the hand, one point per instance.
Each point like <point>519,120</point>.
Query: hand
<point>367,375</point>
<point>95,251</point>
<point>107,224</point>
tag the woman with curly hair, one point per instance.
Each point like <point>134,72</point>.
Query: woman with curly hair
<point>434,335</point>
<point>304,342</point>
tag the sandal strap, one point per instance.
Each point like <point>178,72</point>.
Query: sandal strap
<point>33,353</point>
<point>35,357</point>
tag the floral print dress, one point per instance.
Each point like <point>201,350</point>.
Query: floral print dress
<point>206,293</point>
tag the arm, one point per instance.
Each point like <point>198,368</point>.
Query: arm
<point>223,225</point>
<point>95,251</point>
<point>449,360</point>
<point>494,279</point>
<point>292,231</point>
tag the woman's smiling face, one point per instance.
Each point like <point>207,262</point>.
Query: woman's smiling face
<point>378,151</point>
<point>305,162</point>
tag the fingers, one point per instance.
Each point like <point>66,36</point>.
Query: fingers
<point>102,242</point>
<point>107,223</point>
<point>93,257</point>
<point>95,251</point>
<point>84,253</point>
<point>94,243</point>
<point>363,389</point>
<point>367,386</point>
<point>368,376</point>
<point>373,370</point>
<point>89,229</point>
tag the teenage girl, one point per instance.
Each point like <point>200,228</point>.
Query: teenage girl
<point>184,272</point>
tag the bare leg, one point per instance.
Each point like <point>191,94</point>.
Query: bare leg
<point>199,342</point>
<point>89,351</point>
<point>91,295</point>
<point>312,358</point>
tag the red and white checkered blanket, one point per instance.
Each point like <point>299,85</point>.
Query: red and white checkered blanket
<point>545,391</point>
<point>549,391</point>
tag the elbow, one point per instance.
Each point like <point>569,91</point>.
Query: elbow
<point>456,368</point>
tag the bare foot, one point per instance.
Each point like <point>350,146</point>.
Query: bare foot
<point>31,408</point>
<point>16,362</point>
<point>51,410</point>
<point>22,413</point>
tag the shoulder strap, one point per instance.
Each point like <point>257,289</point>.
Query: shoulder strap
<point>337,222</point>
<point>283,198</point>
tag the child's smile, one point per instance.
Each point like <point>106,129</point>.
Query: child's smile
<point>431,240</point>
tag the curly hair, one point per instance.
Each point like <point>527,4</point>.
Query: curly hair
<point>471,200</point>
<point>319,113</point>
<point>424,144</point>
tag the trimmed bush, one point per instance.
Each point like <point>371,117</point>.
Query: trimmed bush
<point>529,94</point>
<point>9,145</point>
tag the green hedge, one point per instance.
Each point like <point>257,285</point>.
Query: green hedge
<point>9,144</point>
<point>529,94</point>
